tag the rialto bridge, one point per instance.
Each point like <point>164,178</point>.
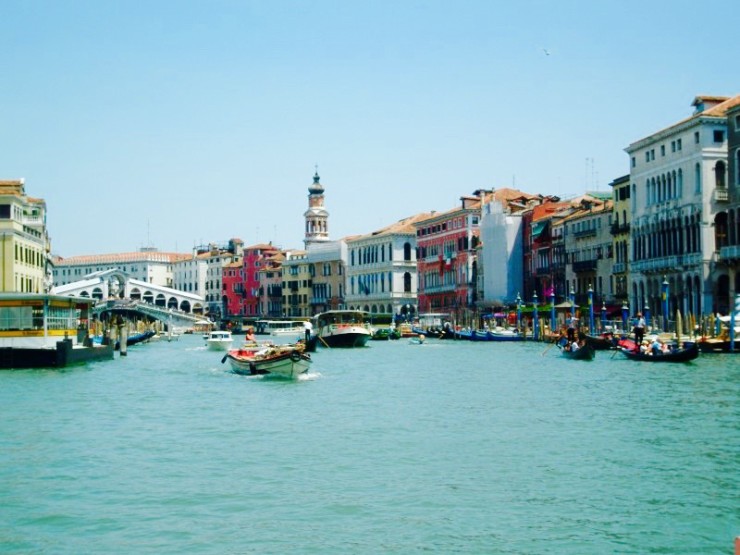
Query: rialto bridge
<point>116,291</point>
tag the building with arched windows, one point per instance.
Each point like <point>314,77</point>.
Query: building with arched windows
<point>679,186</point>
<point>381,270</point>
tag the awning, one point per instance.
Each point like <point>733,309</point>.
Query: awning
<point>538,228</point>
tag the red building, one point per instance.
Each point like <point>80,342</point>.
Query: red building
<point>233,288</point>
<point>256,259</point>
<point>446,262</point>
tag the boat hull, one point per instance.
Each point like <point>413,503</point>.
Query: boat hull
<point>346,338</point>
<point>64,354</point>
<point>584,353</point>
<point>289,364</point>
<point>686,354</point>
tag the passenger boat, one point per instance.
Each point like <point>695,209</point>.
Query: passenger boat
<point>219,340</point>
<point>39,330</point>
<point>283,331</point>
<point>688,352</point>
<point>343,328</point>
<point>384,334</point>
<point>284,361</point>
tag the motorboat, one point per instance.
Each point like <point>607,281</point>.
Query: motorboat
<point>284,361</point>
<point>343,328</point>
<point>219,340</point>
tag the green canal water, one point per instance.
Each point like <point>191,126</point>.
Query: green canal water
<point>448,447</point>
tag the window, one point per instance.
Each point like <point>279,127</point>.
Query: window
<point>4,211</point>
<point>633,162</point>
<point>673,146</point>
<point>719,136</point>
<point>678,144</point>
<point>662,150</point>
<point>696,137</point>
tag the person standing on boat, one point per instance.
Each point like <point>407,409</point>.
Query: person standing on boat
<point>572,325</point>
<point>639,329</point>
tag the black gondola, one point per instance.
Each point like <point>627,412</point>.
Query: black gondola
<point>586,352</point>
<point>689,352</point>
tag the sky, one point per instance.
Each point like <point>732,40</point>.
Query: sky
<point>171,124</point>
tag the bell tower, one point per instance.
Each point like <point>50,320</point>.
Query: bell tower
<point>317,218</point>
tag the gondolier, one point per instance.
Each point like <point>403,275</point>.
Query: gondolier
<point>639,329</point>
<point>572,326</point>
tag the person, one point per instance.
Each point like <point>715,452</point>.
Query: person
<point>656,347</point>
<point>250,336</point>
<point>572,325</point>
<point>639,329</point>
<point>574,346</point>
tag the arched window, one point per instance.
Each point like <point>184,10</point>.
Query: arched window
<point>719,175</point>
<point>697,178</point>
<point>407,251</point>
<point>407,282</point>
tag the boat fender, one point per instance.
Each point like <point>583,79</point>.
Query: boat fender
<point>295,356</point>
<point>224,359</point>
<point>252,368</point>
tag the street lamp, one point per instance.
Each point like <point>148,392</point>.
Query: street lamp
<point>590,309</point>
<point>536,318</point>
<point>518,312</point>
<point>665,304</point>
<point>552,308</point>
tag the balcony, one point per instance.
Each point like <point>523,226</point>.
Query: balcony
<point>543,271</point>
<point>585,266</point>
<point>617,229</point>
<point>721,195</point>
<point>619,268</point>
<point>729,253</point>
<point>438,289</point>
<point>584,233</point>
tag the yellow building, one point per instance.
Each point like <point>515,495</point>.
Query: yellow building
<point>24,242</point>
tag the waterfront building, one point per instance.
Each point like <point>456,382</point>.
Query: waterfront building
<point>233,287</point>
<point>545,271</point>
<point>254,259</point>
<point>327,262</point>
<point>25,244</point>
<point>446,259</point>
<point>270,294</point>
<point>678,179</point>
<point>317,218</point>
<point>297,286</point>
<point>147,265</point>
<point>620,230</point>
<point>202,273</point>
<point>727,228</point>
<point>589,249</point>
<point>382,269</point>
<point>500,252</point>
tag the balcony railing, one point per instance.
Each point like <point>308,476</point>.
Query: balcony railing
<point>619,268</point>
<point>616,229</point>
<point>585,266</point>
<point>721,195</point>
<point>584,233</point>
<point>730,252</point>
<point>543,271</point>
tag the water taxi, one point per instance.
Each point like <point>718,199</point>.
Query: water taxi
<point>343,328</point>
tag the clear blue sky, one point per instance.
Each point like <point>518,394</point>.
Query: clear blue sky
<point>174,123</point>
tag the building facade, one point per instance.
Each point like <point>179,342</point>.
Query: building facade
<point>327,262</point>
<point>446,259</point>
<point>25,244</point>
<point>297,285</point>
<point>679,186</point>
<point>382,273</point>
<point>620,231</point>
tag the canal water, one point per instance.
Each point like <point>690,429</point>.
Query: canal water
<point>447,447</point>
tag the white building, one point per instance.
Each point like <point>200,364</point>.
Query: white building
<point>501,256</point>
<point>381,272</point>
<point>147,265</point>
<point>679,184</point>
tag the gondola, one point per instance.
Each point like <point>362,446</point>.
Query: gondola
<point>586,352</point>
<point>689,352</point>
<point>600,342</point>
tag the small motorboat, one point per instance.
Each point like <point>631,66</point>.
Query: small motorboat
<point>219,340</point>
<point>285,361</point>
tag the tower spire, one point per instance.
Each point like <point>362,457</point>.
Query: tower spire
<point>317,218</point>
